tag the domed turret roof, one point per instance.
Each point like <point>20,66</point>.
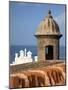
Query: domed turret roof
<point>48,26</point>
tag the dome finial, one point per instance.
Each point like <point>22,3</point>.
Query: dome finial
<point>49,11</point>
<point>49,14</point>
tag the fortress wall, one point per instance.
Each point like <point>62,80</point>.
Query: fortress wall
<point>50,76</point>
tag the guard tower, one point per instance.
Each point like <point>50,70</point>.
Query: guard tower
<point>48,35</point>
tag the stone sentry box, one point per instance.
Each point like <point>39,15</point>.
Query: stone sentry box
<point>48,35</point>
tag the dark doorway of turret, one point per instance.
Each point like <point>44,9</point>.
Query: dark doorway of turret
<point>49,52</point>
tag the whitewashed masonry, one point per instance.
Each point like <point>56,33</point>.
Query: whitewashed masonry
<point>24,57</point>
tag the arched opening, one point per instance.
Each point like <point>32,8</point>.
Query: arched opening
<point>49,52</point>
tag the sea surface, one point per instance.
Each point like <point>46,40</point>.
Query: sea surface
<point>33,49</point>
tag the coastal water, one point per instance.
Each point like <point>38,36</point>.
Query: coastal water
<point>33,49</point>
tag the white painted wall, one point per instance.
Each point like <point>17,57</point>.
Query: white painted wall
<point>24,57</point>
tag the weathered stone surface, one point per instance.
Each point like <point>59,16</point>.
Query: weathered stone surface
<point>48,35</point>
<point>48,26</point>
<point>39,77</point>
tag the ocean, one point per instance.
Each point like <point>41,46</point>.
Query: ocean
<point>33,49</point>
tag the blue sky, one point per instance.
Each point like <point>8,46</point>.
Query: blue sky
<point>25,18</point>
